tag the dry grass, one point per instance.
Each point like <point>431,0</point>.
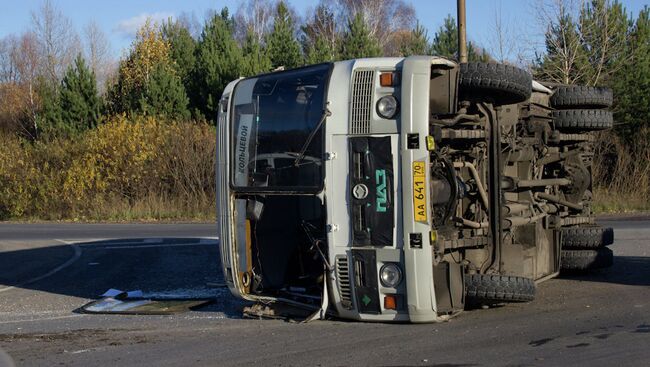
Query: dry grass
<point>621,173</point>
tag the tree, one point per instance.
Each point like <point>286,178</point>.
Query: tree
<point>219,61</point>
<point>256,59</point>
<point>604,29</point>
<point>281,43</point>
<point>58,42</point>
<point>565,60</point>
<point>181,48</point>
<point>320,51</point>
<point>253,17</point>
<point>49,120</point>
<point>98,53</point>
<point>357,41</point>
<point>445,40</point>
<point>147,51</point>
<point>20,83</point>
<point>631,82</point>
<point>445,43</point>
<point>320,37</point>
<point>417,43</point>
<point>164,95</point>
<point>79,101</point>
<point>384,19</point>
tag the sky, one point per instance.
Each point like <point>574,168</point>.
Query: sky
<point>120,19</point>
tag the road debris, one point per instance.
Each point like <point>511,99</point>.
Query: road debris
<point>115,301</point>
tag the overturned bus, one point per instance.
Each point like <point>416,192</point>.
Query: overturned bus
<point>404,189</point>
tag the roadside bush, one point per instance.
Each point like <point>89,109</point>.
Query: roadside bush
<point>621,172</point>
<point>142,168</point>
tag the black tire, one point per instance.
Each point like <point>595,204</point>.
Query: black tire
<point>580,260</point>
<point>580,96</point>
<point>491,289</point>
<point>583,120</point>
<point>590,237</point>
<point>499,84</point>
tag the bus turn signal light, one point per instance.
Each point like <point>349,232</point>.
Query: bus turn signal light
<point>390,302</point>
<point>386,79</point>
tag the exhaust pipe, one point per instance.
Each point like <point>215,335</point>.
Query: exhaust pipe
<point>462,32</point>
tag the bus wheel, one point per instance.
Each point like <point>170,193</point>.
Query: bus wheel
<point>581,260</point>
<point>483,289</point>
<point>581,96</point>
<point>498,84</point>
<point>586,237</point>
<point>583,120</point>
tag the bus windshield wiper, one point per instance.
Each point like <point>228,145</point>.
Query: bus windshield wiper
<point>303,150</point>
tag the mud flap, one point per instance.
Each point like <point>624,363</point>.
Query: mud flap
<point>449,283</point>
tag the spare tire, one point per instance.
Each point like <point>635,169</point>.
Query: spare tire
<point>578,260</point>
<point>491,289</point>
<point>587,237</point>
<point>583,120</point>
<point>581,96</point>
<point>498,84</point>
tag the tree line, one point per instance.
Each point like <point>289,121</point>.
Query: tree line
<point>83,135</point>
<point>599,43</point>
<point>178,69</point>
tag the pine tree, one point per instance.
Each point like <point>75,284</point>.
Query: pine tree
<point>48,119</point>
<point>357,42</point>
<point>256,60</point>
<point>445,41</point>
<point>79,100</point>
<point>282,46</point>
<point>320,51</point>
<point>565,61</point>
<point>604,29</point>
<point>219,61</point>
<point>164,95</point>
<point>181,49</point>
<point>631,83</point>
<point>319,37</point>
<point>418,42</point>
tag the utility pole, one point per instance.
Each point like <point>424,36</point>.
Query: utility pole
<point>462,32</point>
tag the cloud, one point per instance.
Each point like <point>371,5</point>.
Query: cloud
<point>129,27</point>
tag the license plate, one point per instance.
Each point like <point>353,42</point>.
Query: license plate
<point>419,192</point>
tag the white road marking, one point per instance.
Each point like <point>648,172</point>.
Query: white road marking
<point>148,246</point>
<point>75,257</point>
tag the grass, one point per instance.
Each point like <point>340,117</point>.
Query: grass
<point>609,201</point>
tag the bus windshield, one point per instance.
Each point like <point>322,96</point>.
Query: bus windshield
<point>273,116</point>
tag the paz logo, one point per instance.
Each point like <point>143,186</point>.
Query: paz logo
<point>380,179</point>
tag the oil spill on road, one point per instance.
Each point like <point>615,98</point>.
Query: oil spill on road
<point>537,343</point>
<point>579,345</point>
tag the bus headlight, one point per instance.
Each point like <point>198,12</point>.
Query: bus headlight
<point>387,107</point>
<point>390,275</point>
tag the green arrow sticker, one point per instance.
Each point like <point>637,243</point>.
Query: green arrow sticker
<point>366,300</point>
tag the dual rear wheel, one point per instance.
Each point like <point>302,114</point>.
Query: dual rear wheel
<point>584,248</point>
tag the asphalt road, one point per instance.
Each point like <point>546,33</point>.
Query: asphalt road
<point>47,271</point>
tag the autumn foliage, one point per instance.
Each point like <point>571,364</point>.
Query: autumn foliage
<point>140,168</point>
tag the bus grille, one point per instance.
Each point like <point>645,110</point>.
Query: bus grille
<point>343,279</point>
<point>361,103</point>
